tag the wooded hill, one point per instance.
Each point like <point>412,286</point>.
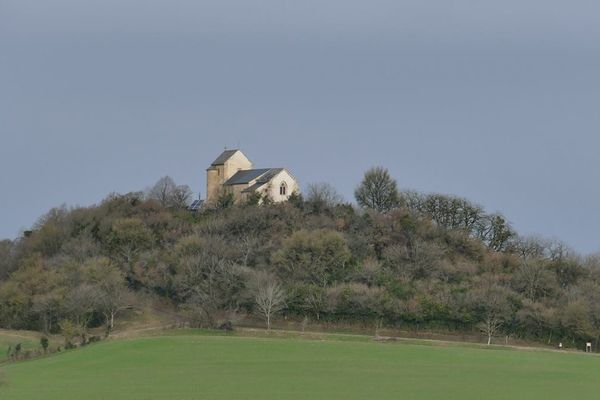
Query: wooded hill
<point>403,259</point>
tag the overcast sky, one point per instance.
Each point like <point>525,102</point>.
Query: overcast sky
<point>496,101</point>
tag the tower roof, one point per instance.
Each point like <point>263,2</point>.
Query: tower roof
<point>226,155</point>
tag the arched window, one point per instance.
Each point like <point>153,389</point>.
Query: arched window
<point>283,189</point>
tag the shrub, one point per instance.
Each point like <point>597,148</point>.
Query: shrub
<point>319,257</point>
<point>94,339</point>
<point>226,326</point>
<point>18,349</point>
<point>44,342</point>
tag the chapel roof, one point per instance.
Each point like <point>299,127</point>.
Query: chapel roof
<point>261,176</point>
<point>269,175</point>
<point>246,176</point>
<point>254,188</point>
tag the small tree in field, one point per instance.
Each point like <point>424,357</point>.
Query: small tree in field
<point>492,301</point>
<point>490,325</point>
<point>377,191</point>
<point>269,297</point>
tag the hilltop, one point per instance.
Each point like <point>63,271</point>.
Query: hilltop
<point>427,263</point>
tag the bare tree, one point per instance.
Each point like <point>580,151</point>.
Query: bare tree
<point>162,190</point>
<point>451,212</point>
<point>529,247</point>
<point>208,284</point>
<point>492,302</point>
<point>82,247</point>
<point>491,325</point>
<point>80,304</point>
<point>181,196</point>
<point>47,306</point>
<point>315,301</point>
<point>322,195</point>
<point>269,298</point>
<point>534,279</point>
<point>112,295</point>
<point>112,303</point>
<point>169,194</point>
<point>247,244</point>
<point>558,250</point>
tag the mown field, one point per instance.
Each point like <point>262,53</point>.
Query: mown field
<point>200,366</point>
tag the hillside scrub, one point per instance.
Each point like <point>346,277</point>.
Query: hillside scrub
<point>431,261</point>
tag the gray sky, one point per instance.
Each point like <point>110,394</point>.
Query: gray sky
<point>495,101</point>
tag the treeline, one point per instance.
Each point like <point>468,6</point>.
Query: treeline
<point>402,259</point>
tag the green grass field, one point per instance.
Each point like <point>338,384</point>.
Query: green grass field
<point>200,366</point>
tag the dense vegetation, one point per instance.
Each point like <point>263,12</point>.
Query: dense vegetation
<point>400,260</point>
<point>200,367</point>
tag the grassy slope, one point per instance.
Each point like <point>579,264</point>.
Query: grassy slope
<point>28,340</point>
<point>211,367</point>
